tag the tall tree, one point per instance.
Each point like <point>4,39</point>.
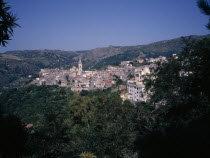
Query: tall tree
<point>204,5</point>
<point>7,23</point>
<point>179,89</point>
<point>101,124</point>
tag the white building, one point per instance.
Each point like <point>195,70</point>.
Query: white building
<point>135,92</point>
<point>136,87</point>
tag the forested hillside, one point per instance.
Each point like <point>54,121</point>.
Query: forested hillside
<point>101,57</point>
<point>15,66</point>
<point>54,122</point>
<point>60,122</point>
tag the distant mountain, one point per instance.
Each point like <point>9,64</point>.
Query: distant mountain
<point>100,57</point>
<point>15,66</point>
<point>19,64</point>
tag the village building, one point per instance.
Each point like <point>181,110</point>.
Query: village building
<point>141,60</point>
<point>78,80</point>
<point>136,87</point>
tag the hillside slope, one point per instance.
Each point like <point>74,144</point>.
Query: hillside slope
<point>15,66</point>
<point>19,64</point>
<point>100,57</point>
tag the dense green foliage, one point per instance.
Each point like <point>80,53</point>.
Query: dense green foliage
<point>65,123</point>
<point>104,123</point>
<point>43,107</point>
<point>181,82</point>
<point>179,91</point>
<point>53,122</point>
<point>173,123</point>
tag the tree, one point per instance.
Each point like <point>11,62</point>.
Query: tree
<point>101,124</point>
<point>7,23</point>
<point>178,88</point>
<point>43,107</point>
<point>204,6</point>
<point>13,136</point>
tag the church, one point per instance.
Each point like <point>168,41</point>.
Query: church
<point>77,71</point>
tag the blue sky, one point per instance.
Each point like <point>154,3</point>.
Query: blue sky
<point>87,24</point>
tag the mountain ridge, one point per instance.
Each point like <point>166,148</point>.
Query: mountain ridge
<point>19,64</point>
<point>81,51</point>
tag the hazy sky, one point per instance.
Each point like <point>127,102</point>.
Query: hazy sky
<point>87,24</point>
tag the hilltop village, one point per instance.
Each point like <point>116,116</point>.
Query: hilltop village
<point>125,77</point>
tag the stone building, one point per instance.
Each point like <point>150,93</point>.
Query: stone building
<point>80,67</point>
<point>135,92</point>
<point>136,87</point>
<point>78,80</point>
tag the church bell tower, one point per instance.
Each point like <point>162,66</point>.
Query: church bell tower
<point>80,65</point>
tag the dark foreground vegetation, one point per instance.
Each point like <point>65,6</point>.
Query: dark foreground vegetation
<point>51,122</point>
<point>60,122</point>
